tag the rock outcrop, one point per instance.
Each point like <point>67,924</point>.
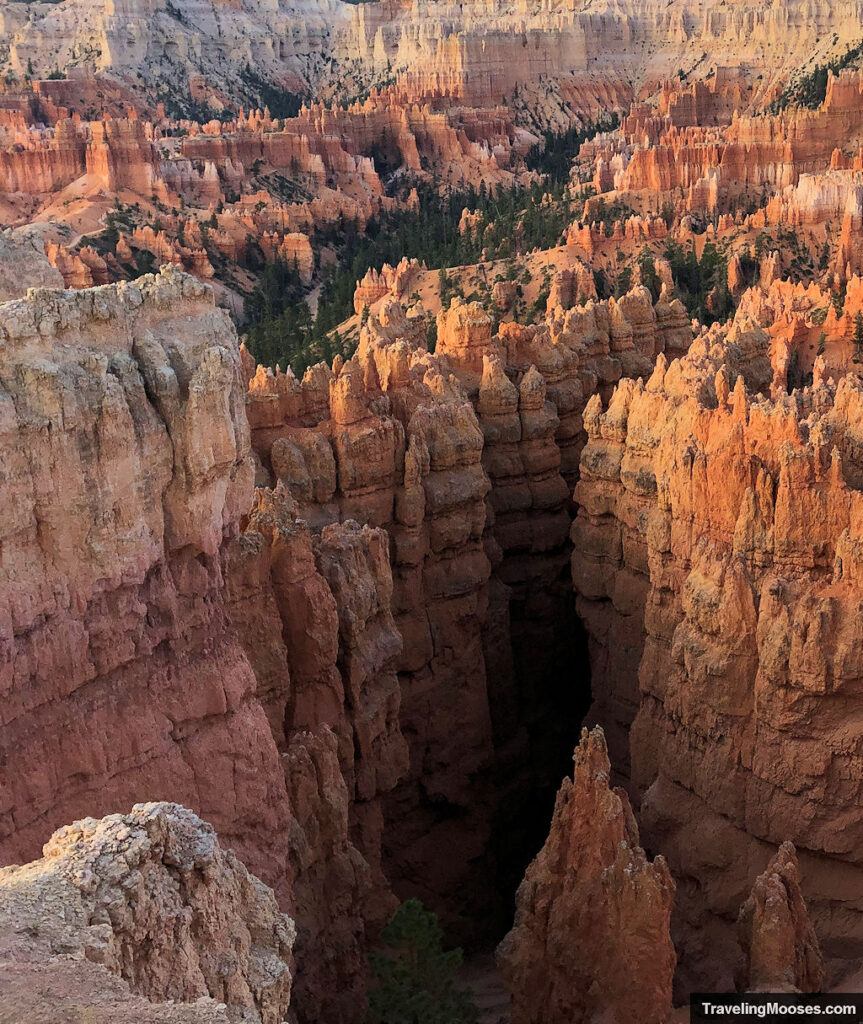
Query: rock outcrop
<point>591,935</point>
<point>464,458</point>
<point>24,264</point>
<point>715,559</point>
<point>779,945</point>
<point>315,619</point>
<point>151,898</point>
<point>150,647</point>
<point>391,441</point>
<point>125,449</point>
<point>553,54</point>
<point>349,618</point>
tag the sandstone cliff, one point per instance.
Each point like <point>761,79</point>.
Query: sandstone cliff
<point>153,648</point>
<point>126,459</point>
<point>315,621</point>
<point>716,534</point>
<point>390,441</point>
<point>465,458</point>
<point>558,59</point>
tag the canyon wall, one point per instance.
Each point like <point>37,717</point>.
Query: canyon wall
<point>125,447</point>
<point>562,60</point>
<point>290,660</point>
<point>392,441</point>
<point>150,624</point>
<point>169,44</point>
<point>717,533</point>
<point>466,459</point>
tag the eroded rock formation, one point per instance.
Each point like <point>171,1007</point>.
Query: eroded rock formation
<point>315,620</point>
<point>243,672</point>
<point>716,533</point>
<point>591,935</point>
<point>463,458</point>
<point>779,945</point>
<point>373,659</point>
<point>151,898</point>
<point>24,264</point>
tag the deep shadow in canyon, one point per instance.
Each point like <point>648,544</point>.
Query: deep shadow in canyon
<point>553,676</point>
<point>538,680</point>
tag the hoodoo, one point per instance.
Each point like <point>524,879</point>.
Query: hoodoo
<point>395,397</point>
<point>591,935</point>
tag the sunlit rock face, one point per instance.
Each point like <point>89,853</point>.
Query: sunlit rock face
<point>716,533</point>
<point>168,633</point>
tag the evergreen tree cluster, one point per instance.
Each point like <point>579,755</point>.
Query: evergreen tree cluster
<point>695,279</point>
<point>553,157</point>
<point>810,90</point>
<point>512,221</point>
<point>281,102</point>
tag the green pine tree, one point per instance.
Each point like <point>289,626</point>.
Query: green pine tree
<point>414,980</point>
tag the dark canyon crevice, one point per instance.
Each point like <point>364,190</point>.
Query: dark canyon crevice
<point>369,672</point>
<point>467,459</point>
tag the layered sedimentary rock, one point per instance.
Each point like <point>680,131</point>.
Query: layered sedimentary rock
<point>316,624</point>
<point>556,59</point>
<point>616,496</point>
<point>277,649</point>
<point>81,269</point>
<point>811,330</point>
<point>117,153</point>
<point>152,649</point>
<point>391,442</point>
<point>151,898</point>
<point>789,172</point>
<point>591,935</point>
<point>779,945</point>
<point>45,160</point>
<point>217,198</point>
<point>464,458</point>
<point>120,155</point>
<point>483,52</point>
<point>389,281</point>
<point>126,460</point>
<point>716,563</point>
<point>168,44</point>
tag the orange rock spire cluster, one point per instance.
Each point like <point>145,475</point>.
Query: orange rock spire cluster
<point>355,618</point>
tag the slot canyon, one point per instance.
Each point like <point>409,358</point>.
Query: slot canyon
<point>430,446</point>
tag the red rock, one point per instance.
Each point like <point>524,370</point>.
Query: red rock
<point>591,935</point>
<point>779,944</point>
<point>714,523</point>
<point>234,651</point>
<point>464,336</point>
<point>121,156</point>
